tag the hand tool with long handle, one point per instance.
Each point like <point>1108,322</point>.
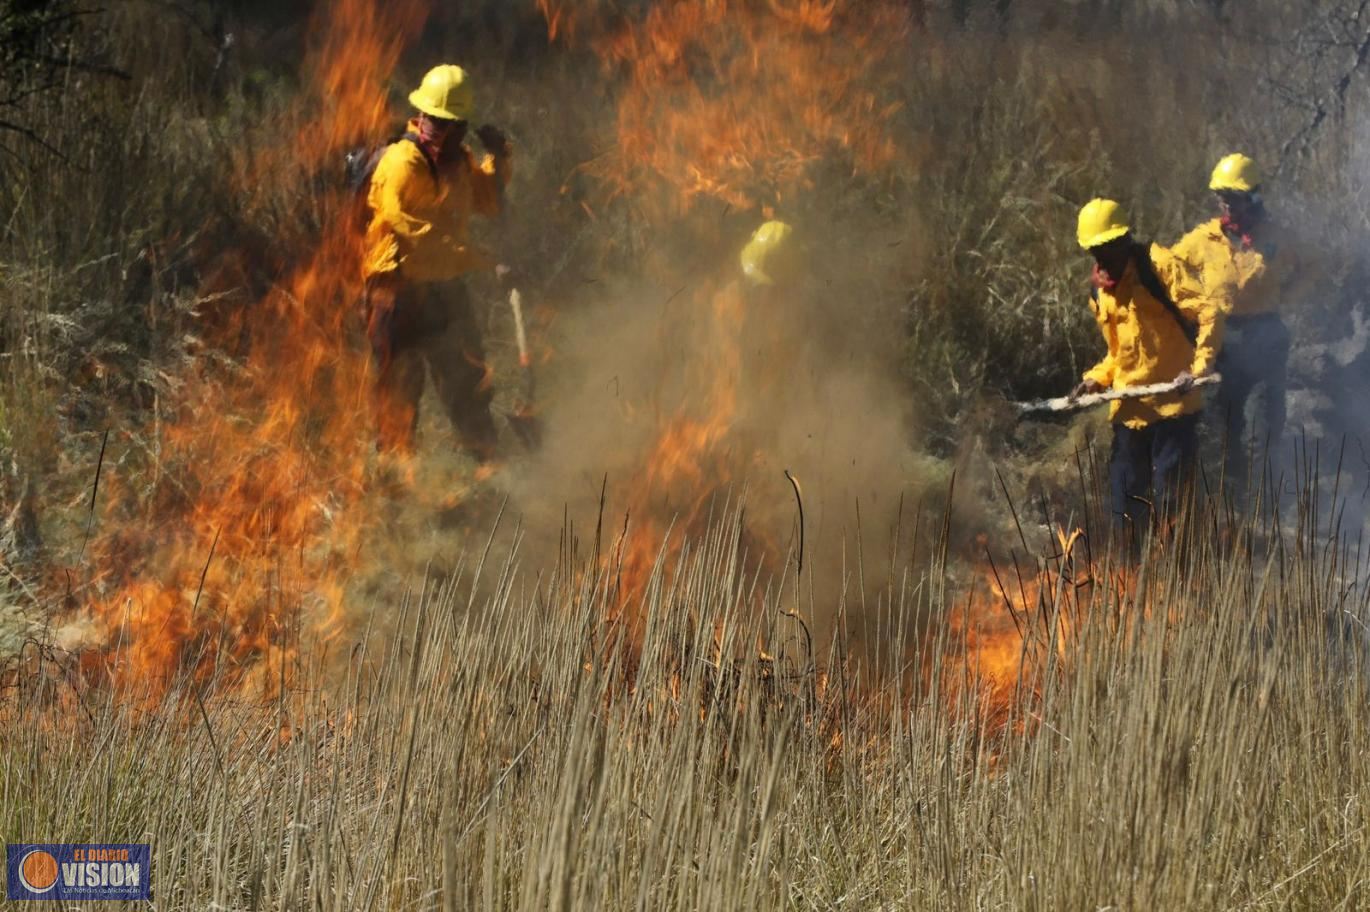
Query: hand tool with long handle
<point>1069,404</point>
<point>523,420</point>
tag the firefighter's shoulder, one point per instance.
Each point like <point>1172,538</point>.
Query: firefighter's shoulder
<point>400,159</point>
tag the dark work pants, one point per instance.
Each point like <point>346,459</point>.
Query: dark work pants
<point>1148,469</point>
<point>425,330</point>
<point>1255,355</point>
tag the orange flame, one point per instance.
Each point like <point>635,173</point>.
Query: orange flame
<point>236,555</point>
<point>990,656</point>
<point>1000,640</point>
<point>740,101</point>
<point>688,465</point>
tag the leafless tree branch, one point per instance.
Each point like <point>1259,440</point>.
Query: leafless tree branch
<point>1342,31</point>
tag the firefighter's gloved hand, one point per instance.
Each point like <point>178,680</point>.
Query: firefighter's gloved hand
<point>380,317</point>
<point>1087,388</point>
<point>495,140</point>
<point>1184,382</point>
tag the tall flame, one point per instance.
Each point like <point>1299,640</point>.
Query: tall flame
<point>242,547</point>
<point>687,466</point>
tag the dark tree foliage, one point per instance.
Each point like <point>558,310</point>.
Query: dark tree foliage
<point>37,50</point>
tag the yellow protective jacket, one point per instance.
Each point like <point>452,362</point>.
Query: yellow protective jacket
<point>1246,281</point>
<point>418,223</point>
<point>1146,344</point>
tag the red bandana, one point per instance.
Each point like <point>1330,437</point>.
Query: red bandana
<point>1235,231</point>
<point>1102,280</point>
<point>432,142</point>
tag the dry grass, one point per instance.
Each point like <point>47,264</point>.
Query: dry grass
<point>1200,743</point>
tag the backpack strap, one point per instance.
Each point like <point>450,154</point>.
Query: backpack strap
<point>1146,274</point>
<point>413,137</point>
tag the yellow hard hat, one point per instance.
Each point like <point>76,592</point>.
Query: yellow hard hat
<point>445,92</point>
<point>1101,221</point>
<point>767,239</point>
<point>1235,172</point>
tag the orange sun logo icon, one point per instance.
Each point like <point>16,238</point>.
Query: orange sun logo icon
<point>38,871</point>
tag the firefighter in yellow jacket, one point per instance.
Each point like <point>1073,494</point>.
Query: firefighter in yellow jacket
<point>1244,252</point>
<point>1160,326</point>
<point>421,196</point>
